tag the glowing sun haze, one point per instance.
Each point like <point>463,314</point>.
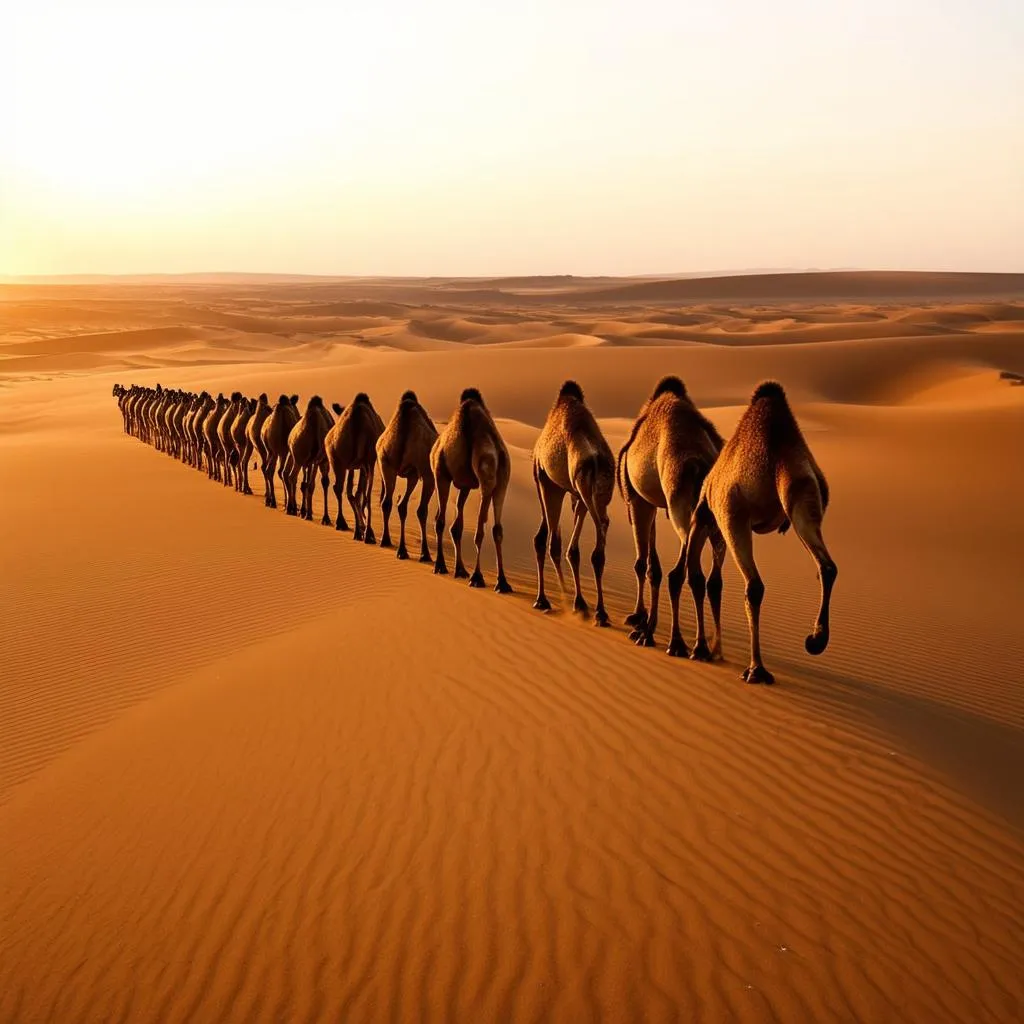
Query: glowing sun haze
<point>459,137</point>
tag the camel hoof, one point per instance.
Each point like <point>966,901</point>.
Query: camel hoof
<point>601,619</point>
<point>247,490</point>
<point>758,674</point>
<point>326,521</point>
<point>370,537</point>
<point>636,619</point>
<point>816,642</point>
<point>542,604</point>
<point>425,558</point>
<point>502,586</point>
<point>579,605</point>
<point>385,542</point>
<point>477,580</point>
<point>677,649</point>
<point>641,638</point>
<point>357,533</point>
<point>440,569</point>
<point>402,554</point>
<point>290,512</point>
<point>701,652</point>
<point>461,573</point>
<point>341,525</point>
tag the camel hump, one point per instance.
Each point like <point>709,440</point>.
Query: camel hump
<point>263,398</point>
<point>570,389</point>
<point>670,385</point>
<point>283,400</point>
<point>338,408</point>
<point>316,402</point>
<point>768,389</point>
<point>471,395</point>
<point>408,396</point>
<point>361,399</point>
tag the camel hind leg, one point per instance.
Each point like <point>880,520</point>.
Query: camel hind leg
<point>805,513</point>
<point>703,527</point>
<point>461,572</point>
<point>325,484</point>
<point>477,579</point>
<point>366,485</point>
<point>498,534</point>
<point>426,493</point>
<point>550,497</point>
<point>740,539</point>
<point>641,518</point>
<point>388,482</point>
<point>444,486</point>
<point>579,514</point>
<point>597,557</point>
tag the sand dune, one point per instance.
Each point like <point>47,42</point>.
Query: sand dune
<point>251,770</point>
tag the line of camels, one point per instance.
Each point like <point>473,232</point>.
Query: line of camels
<point>763,479</point>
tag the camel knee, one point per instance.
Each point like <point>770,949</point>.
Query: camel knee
<point>556,547</point>
<point>597,560</point>
<point>386,506</point>
<point>540,539</point>
<point>715,586</point>
<point>640,568</point>
<point>457,531</point>
<point>677,576</point>
<point>654,572</point>
<point>754,592</point>
<point>574,556</point>
<point>497,533</point>
<point>828,572</point>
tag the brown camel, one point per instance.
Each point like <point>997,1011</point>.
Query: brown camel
<point>240,445</point>
<point>403,450</point>
<point>226,439</point>
<point>662,465</point>
<point>254,442</point>
<point>306,451</point>
<point>470,454</point>
<point>572,457</point>
<point>274,434</point>
<point>765,479</point>
<point>214,454</point>
<point>351,446</point>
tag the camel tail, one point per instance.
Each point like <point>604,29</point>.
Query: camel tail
<point>620,479</point>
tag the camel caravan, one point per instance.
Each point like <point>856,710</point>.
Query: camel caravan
<point>712,491</point>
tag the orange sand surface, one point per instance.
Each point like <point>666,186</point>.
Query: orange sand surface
<point>251,770</point>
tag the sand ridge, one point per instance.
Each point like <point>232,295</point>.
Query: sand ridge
<point>258,771</point>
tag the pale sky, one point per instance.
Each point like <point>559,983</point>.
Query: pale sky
<point>463,137</point>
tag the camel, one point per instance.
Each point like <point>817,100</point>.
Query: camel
<point>225,439</point>
<point>240,445</point>
<point>196,428</point>
<point>307,453</point>
<point>470,454</point>
<point>254,442</point>
<point>572,457</point>
<point>403,450</point>
<point>274,434</point>
<point>351,446</point>
<point>670,450</point>
<point>212,437</point>
<point>764,480</point>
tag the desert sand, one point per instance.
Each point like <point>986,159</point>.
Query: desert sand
<point>251,770</point>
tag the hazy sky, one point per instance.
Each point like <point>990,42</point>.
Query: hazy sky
<point>467,137</point>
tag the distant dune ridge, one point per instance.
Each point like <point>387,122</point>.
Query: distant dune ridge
<point>251,770</point>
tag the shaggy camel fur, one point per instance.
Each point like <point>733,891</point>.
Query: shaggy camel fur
<point>351,446</point>
<point>572,457</point>
<point>274,434</point>
<point>662,465</point>
<point>471,454</point>
<point>403,450</point>
<point>254,442</point>
<point>240,445</point>
<point>764,480</point>
<point>306,451</point>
